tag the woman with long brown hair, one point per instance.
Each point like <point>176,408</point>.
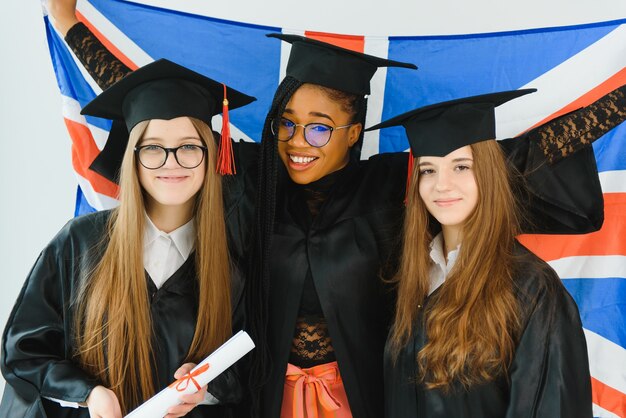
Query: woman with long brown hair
<point>483,328</point>
<point>120,299</point>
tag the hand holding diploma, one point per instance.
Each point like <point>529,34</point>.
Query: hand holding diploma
<point>188,401</point>
<point>195,381</point>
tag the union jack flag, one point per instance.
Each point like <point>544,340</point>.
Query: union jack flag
<point>570,66</point>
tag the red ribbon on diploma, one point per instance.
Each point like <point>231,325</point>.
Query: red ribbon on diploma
<point>182,383</point>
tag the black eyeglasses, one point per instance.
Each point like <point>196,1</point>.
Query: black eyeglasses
<point>315,134</point>
<point>154,156</point>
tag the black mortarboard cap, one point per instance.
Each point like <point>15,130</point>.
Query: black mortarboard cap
<point>159,90</point>
<point>313,61</point>
<point>438,129</point>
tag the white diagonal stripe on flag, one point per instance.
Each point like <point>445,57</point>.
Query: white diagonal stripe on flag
<point>613,181</point>
<point>585,71</point>
<point>590,267</point>
<point>612,369</point>
<point>113,34</point>
<point>96,200</point>
<point>378,47</point>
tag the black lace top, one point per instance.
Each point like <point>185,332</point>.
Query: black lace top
<point>569,133</point>
<point>311,344</point>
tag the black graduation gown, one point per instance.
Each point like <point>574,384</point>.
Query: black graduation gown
<point>345,247</point>
<point>37,344</point>
<point>562,198</point>
<point>549,375</point>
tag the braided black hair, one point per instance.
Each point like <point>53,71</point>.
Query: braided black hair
<point>359,117</point>
<point>256,291</point>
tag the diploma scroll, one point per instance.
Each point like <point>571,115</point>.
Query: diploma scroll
<point>211,367</point>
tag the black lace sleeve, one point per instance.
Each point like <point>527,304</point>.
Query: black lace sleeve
<point>564,136</point>
<point>101,64</point>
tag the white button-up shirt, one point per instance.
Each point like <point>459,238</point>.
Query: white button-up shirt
<point>439,269</point>
<point>163,253</point>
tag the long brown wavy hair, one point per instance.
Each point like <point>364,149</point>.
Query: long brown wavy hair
<point>113,326</point>
<point>472,321</point>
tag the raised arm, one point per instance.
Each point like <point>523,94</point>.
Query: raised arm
<point>562,137</point>
<point>560,198</point>
<point>99,62</point>
<point>561,191</point>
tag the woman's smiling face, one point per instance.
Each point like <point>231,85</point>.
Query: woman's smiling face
<point>448,187</point>
<point>305,163</point>
<point>171,185</point>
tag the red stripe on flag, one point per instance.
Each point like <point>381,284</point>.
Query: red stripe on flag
<point>617,80</point>
<point>352,42</point>
<point>84,151</point>
<point>609,240</point>
<point>608,398</point>
<point>108,44</point>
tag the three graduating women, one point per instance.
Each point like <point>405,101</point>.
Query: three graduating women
<point>325,224</point>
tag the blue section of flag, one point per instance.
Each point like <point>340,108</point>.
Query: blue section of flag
<point>82,206</point>
<point>236,54</point>
<point>602,306</point>
<point>610,150</point>
<point>69,78</point>
<point>457,66</point>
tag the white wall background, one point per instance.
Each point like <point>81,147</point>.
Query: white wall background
<point>37,187</point>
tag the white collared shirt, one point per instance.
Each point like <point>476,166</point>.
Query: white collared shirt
<point>439,269</point>
<point>163,253</point>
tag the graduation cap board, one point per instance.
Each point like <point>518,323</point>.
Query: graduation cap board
<point>159,90</point>
<point>438,129</point>
<point>313,61</point>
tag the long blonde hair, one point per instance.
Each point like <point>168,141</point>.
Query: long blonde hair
<point>113,325</point>
<point>472,321</point>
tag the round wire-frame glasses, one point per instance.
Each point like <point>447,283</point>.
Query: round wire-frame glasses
<point>315,134</point>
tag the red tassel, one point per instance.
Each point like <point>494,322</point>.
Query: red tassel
<point>225,155</point>
<point>409,175</point>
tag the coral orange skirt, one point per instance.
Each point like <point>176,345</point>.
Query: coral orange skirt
<point>316,392</point>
